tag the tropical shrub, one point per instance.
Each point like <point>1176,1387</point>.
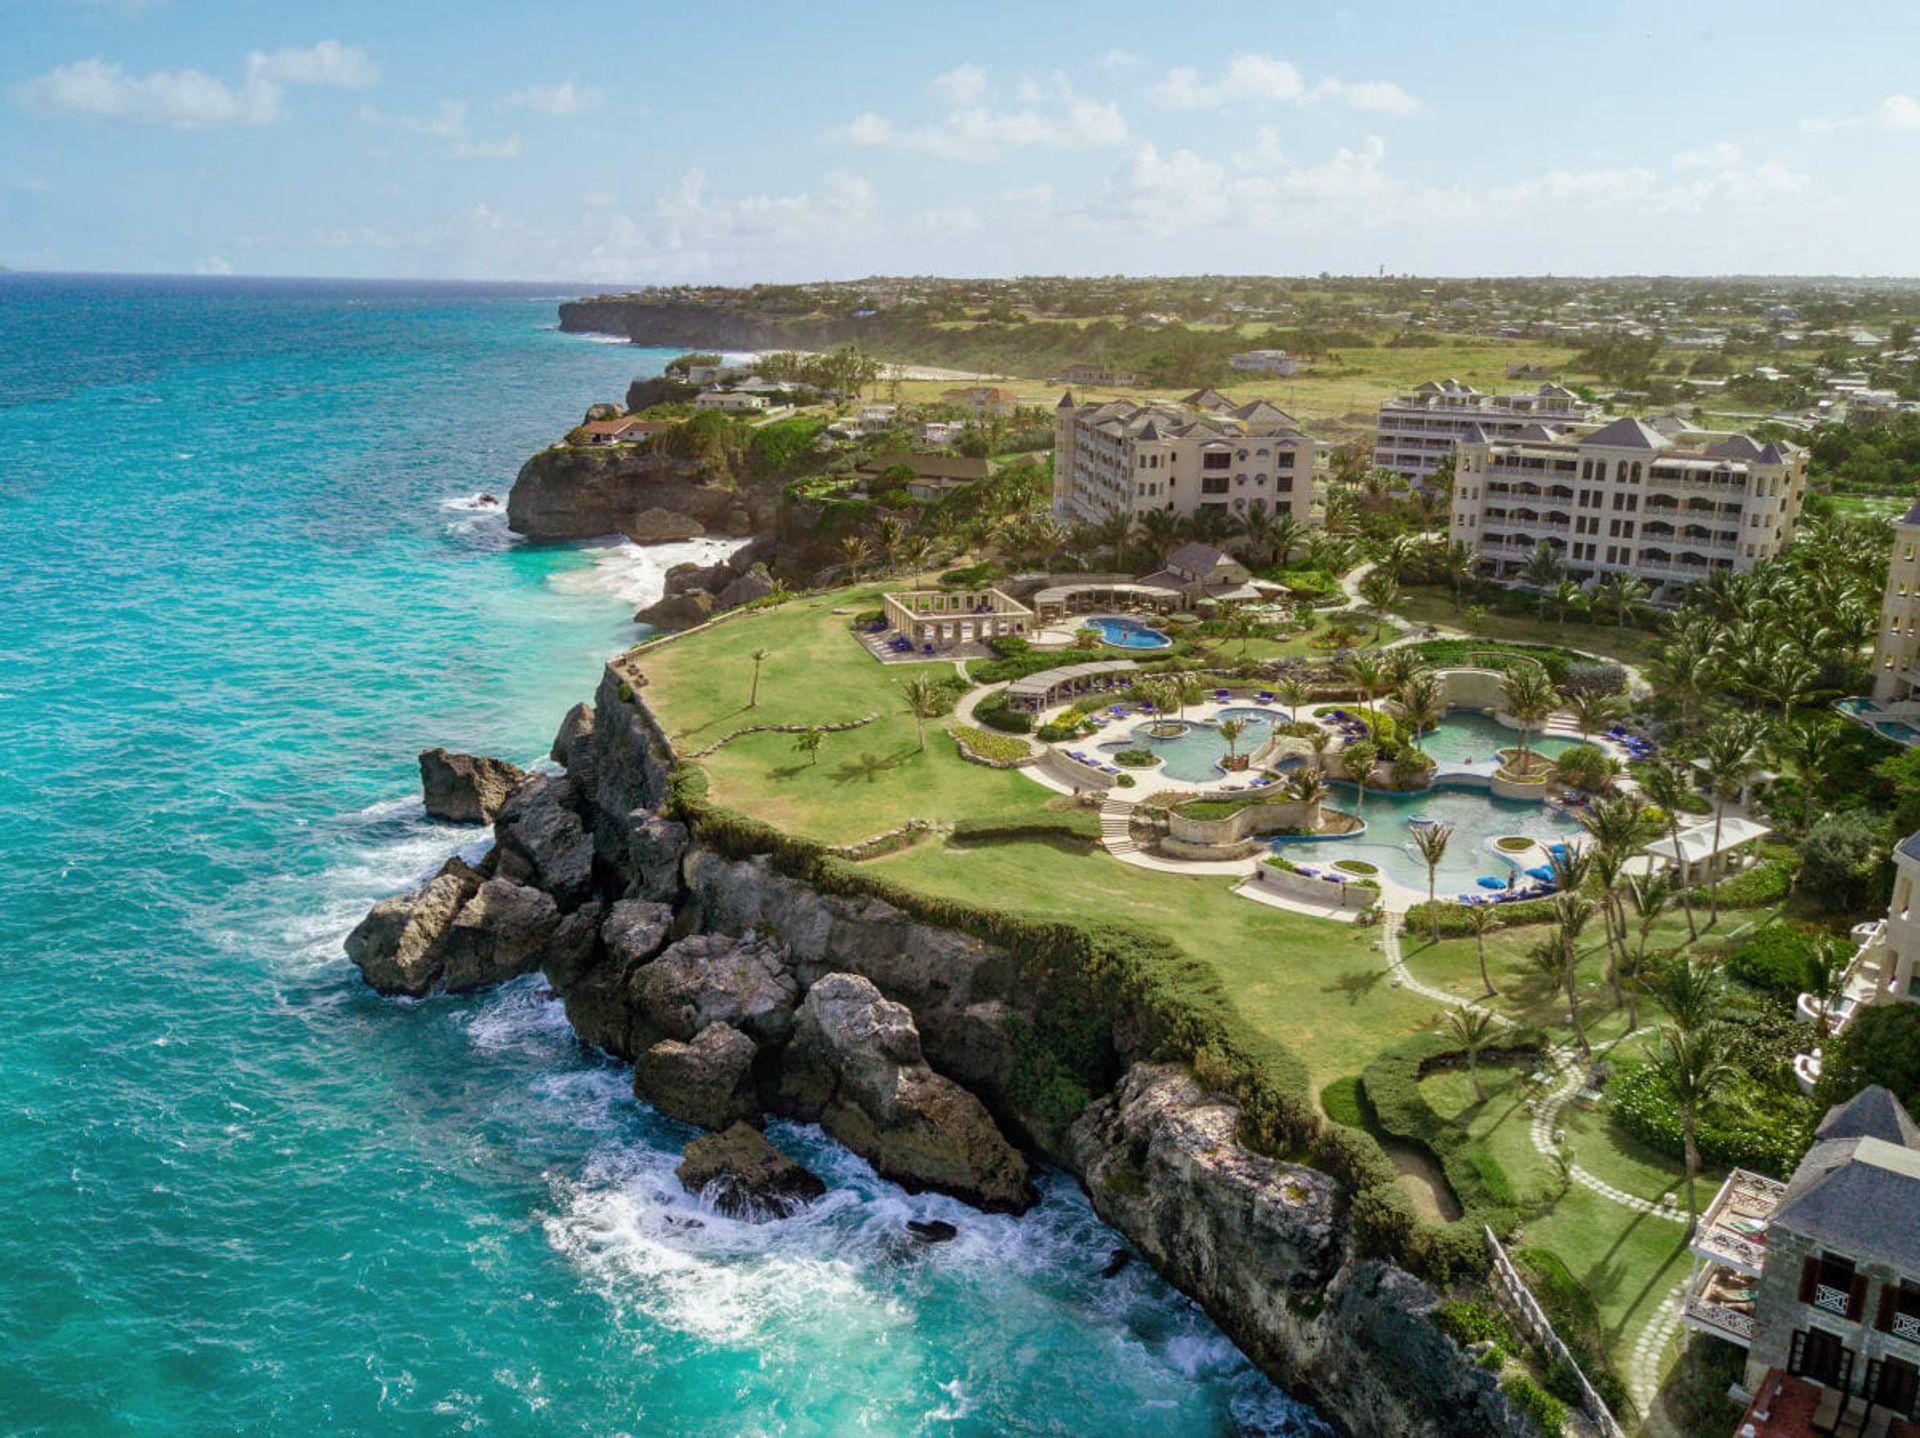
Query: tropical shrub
<point>1843,861</point>
<point>1749,1126</point>
<point>1002,747</point>
<point>1774,958</point>
<point>994,713</point>
<point>1467,1322</point>
<point>1880,1046</point>
<point>1547,1413</point>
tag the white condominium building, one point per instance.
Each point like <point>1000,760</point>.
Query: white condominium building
<point>1416,431</point>
<point>1896,653</point>
<point>1625,498</point>
<point>1204,452</point>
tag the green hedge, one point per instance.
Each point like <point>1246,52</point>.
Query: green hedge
<point>1743,1129</point>
<point>1076,825</point>
<point>1003,747</point>
<point>1775,958</point>
<point>994,713</point>
<point>1575,1316</point>
<point>1453,920</point>
<point>1392,1086</point>
<point>1766,882</point>
<point>1547,1413</point>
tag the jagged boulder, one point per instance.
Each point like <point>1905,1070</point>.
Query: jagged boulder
<point>397,947</point>
<point>574,736</point>
<point>655,847</point>
<point>501,932</point>
<point>713,978</point>
<point>575,946</point>
<point>542,842</point>
<point>855,1066</point>
<point>600,1004</point>
<point>756,583</point>
<point>697,578</point>
<point>678,611</point>
<point>708,1081</point>
<point>662,526</point>
<point>744,1176</point>
<point>466,788</point>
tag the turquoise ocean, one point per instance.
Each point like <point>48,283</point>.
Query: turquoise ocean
<point>244,578</point>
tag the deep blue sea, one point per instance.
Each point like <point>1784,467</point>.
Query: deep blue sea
<point>244,578</point>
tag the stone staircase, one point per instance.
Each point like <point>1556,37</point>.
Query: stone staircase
<point>1116,834</point>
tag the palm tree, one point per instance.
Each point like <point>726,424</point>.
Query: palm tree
<point>1543,570</point>
<point>857,552</point>
<point>1309,789</point>
<point>1457,563</point>
<point>1567,594</point>
<point>808,742</point>
<point>1420,706</point>
<point>1318,741</point>
<point>1358,759</point>
<point>1472,1027</point>
<point>1379,589</point>
<point>1730,756</point>
<point>1430,841</point>
<point>1692,1065</point>
<point>1293,693</point>
<point>1826,978</point>
<point>1622,590</point>
<point>1481,921</point>
<point>1530,698</point>
<point>1807,746</point>
<point>760,656</point>
<point>1571,911</point>
<point>1593,711</point>
<point>1690,988</point>
<point>1231,730</point>
<point>891,534</point>
<point>924,702</point>
<point>1186,689</point>
<point>1364,671</point>
<point>1662,783</point>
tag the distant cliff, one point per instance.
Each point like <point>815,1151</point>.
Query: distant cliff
<point>667,326</point>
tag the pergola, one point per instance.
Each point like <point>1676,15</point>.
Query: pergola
<point>1698,856</point>
<point>1064,599</point>
<point>945,618</point>
<point>1055,686</point>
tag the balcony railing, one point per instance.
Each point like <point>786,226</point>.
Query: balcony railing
<point>1829,1299</point>
<point>1907,1326</point>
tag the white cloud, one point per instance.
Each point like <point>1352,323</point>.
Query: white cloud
<point>192,99</point>
<point>1049,113</point>
<point>566,98</point>
<point>962,85</point>
<point>1900,112</point>
<point>214,265</point>
<point>1707,157</point>
<point>1269,80</point>
<point>1117,59</point>
<point>506,149</point>
<point>948,220</point>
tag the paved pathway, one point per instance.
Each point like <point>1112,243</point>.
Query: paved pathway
<point>1643,1372</point>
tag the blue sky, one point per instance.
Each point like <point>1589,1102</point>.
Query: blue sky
<point>626,143</point>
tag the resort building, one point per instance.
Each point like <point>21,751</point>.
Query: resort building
<point>937,621</point>
<point>1099,376</point>
<point>619,431</point>
<point>1277,362</point>
<point>1818,1278</point>
<point>982,400</point>
<point>1896,653</point>
<point>1204,452</point>
<point>1201,574</point>
<point>933,476</point>
<point>1625,499</point>
<point>1415,431</point>
<point>729,400</point>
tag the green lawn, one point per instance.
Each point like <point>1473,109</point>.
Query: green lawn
<point>1318,986</point>
<point>1433,604</point>
<point>1628,1261</point>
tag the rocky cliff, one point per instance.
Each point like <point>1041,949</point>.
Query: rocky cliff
<point>737,988</point>
<point>667,326</point>
<point>583,493</point>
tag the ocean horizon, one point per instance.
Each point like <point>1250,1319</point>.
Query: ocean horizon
<point>249,576</point>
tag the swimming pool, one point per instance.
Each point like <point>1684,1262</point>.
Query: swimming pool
<point>1466,736</point>
<point>1477,819</point>
<point>1193,756</point>
<point>1123,633</point>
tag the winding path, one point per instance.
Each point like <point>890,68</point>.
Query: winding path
<point>1643,1368</point>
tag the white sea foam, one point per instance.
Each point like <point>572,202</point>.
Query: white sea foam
<point>482,503</point>
<point>638,572</point>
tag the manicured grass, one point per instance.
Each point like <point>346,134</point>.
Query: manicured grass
<point>1433,604</point>
<point>1628,1261</point>
<point>1318,986</point>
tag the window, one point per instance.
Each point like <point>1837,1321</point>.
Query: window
<point>1896,1386</point>
<point>1285,460</point>
<point>1216,459</point>
<point>1284,484</point>
<point>1831,1284</point>
<point>1821,1356</point>
<point>1213,484</point>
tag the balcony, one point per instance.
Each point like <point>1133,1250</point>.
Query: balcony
<point>1720,1302</point>
<point>1733,1231</point>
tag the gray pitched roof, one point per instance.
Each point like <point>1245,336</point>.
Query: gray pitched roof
<point>1195,558</point>
<point>1872,1113</point>
<point>1066,400</point>
<point>1860,1196</point>
<point>1474,434</point>
<point>1207,399</point>
<point>1734,446</point>
<point>1912,516</point>
<point>1628,433</point>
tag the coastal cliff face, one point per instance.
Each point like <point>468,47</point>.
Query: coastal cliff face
<point>577,493</point>
<point>705,326</point>
<point>737,988</point>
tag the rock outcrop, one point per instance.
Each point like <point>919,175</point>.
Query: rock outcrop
<point>744,1176</point>
<point>466,788</point>
<point>502,931</point>
<point>855,1067</point>
<point>399,945</point>
<point>574,735</point>
<point>1259,1242</point>
<point>675,612</point>
<point>715,978</point>
<point>600,1004</point>
<point>646,493</point>
<point>706,1081</point>
<point>541,840</point>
